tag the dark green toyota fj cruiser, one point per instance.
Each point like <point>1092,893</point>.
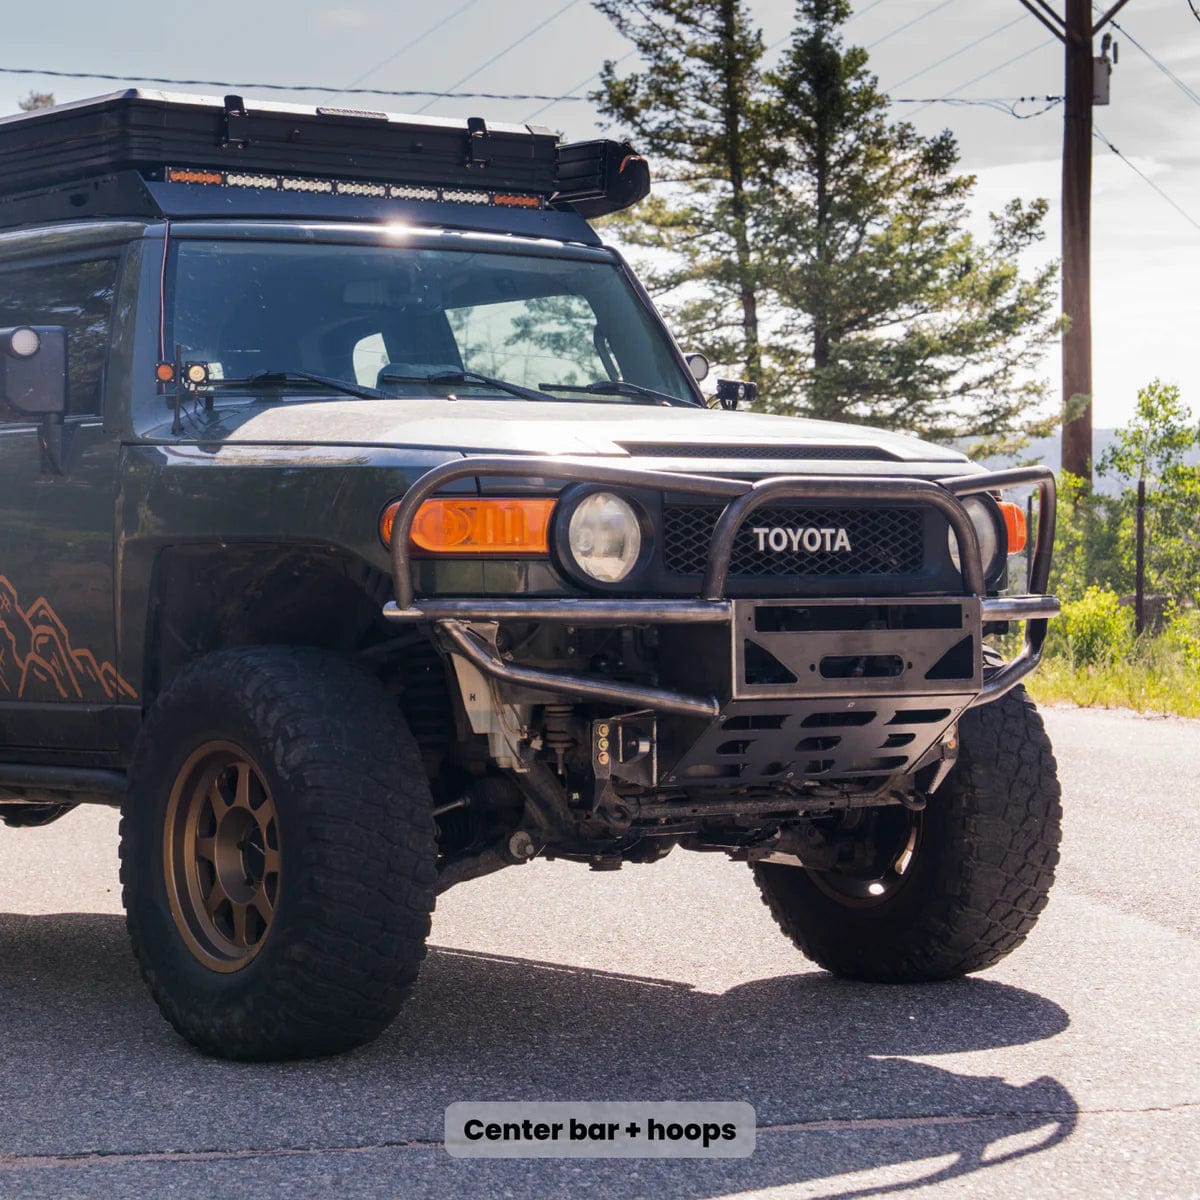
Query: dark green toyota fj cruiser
<point>363,531</point>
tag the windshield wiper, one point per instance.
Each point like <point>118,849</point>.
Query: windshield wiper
<point>462,379</point>
<point>621,387</point>
<point>337,385</point>
<point>283,378</point>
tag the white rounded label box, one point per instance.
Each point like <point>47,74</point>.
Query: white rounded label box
<point>600,1129</point>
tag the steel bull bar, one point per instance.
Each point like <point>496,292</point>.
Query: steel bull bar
<point>452,617</point>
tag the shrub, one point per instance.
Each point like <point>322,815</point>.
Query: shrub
<point>1093,630</point>
<point>1087,548</point>
<point>1182,637</point>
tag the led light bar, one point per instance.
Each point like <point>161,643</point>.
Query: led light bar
<point>241,179</point>
<point>183,175</point>
<point>378,190</point>
<point>353,187</point>
<point>414,193</point>
<point>466,196</point>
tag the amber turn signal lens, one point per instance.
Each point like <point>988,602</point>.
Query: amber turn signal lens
<point>487,526</point>
<point>180,175</point>
<point>1014,523</point>
<point>504,200</point>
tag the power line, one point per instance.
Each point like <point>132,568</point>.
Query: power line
<point>862,12</point>
<point>1191,94</point>
<point>987,37</point>
<point>1000,104</point>
<point>283,87</point>
<point>993,71</point>
<point>391,58</point>
<point>576,86</point>
<point>855,16</point>
<point>507,49</point>
<point>909,24</point>
<point>1195,10</point>
<point>1146,178</point>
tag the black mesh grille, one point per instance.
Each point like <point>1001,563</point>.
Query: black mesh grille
<point>883,541</point>
<point>671,450</point>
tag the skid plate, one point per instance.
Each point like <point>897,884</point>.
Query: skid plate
<point>831,690</point>
<point>760,742</point>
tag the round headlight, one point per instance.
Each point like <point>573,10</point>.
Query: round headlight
<point>24,343</point>
<point>986,529</point>
<point>605,537</point>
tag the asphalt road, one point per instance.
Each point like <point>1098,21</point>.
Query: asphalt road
<point>1069,1070</point>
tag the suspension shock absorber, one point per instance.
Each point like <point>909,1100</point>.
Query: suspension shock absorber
<point>557,737</point>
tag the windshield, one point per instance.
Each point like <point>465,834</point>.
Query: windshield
<point>389,317</point>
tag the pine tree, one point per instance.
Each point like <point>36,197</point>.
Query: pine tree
<point>802,232</point>
<point>689,111</point>
<point>890,311</point>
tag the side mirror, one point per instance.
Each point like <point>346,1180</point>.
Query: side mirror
<point>33,370</point>
<point>33,380</point>
<point>697,365</point>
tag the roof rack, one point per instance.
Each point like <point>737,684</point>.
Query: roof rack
<point>146,153</point>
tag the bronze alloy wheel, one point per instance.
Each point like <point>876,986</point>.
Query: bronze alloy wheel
<point>249,957</point>
<point>221,856</point>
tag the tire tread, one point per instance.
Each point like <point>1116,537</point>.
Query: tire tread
<point>1004,814</point>
<point>362,904</point>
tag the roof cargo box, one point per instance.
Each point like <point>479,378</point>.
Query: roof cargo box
<point>602,177</point>
<point>147,130</point>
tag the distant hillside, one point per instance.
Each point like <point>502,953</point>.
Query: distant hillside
<point>1048,450</point>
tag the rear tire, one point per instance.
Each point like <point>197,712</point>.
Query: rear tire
<point>980,863</point>
<point>277,854</point>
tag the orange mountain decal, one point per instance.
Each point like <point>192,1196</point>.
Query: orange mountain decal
<point>38,662</point>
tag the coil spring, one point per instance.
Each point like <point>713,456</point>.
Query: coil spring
<point>425,698</point>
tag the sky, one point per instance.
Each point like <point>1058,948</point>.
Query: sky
<point>1146,253</point>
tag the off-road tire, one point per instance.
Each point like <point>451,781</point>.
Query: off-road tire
<point>980,875</point>
<point>357,853</point>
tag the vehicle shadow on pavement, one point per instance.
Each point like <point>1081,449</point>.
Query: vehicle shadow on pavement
<point>825,1063</point>
<point>815,1056</point>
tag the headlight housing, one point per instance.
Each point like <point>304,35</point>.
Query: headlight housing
<point>604,537</point>
<point>989,528</point>
<point>22,342</point>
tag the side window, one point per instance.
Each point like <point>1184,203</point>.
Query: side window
<point>78,295</point>
<point>547,339</point>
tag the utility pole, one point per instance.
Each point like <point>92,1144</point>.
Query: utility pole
<point>1077,242</point>
<point>1075,29</point>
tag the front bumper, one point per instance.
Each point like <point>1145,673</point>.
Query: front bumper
<point>459,621</point>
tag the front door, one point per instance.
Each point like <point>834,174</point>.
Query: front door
<point>58,686</point>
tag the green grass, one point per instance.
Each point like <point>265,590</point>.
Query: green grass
<point>1162,684</point>
<point>1093,659</point>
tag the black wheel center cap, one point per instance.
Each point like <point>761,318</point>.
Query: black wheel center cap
<point>254,857</point>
